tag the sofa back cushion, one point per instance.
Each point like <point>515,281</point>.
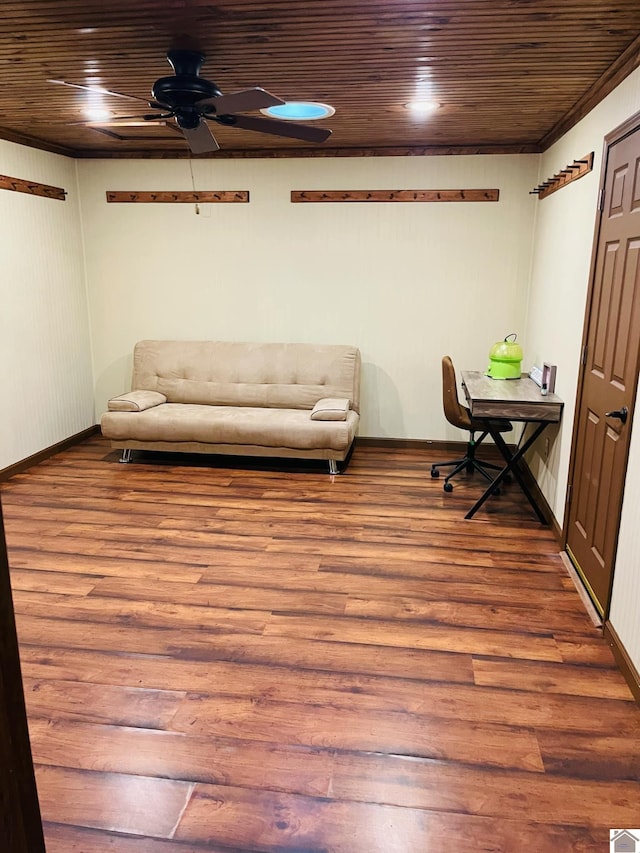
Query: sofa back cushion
<point>269,375</point>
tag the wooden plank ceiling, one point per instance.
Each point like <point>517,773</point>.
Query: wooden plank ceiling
<point>509,75</point>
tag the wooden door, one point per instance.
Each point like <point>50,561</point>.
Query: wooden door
<point>609,374</point>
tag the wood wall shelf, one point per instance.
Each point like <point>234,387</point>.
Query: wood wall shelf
<point>300,196</point>
<point>18,185</point>
<point>180,197</point>
<point>577,169</point>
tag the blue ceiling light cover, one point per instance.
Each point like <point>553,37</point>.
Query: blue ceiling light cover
<point>299,111</point>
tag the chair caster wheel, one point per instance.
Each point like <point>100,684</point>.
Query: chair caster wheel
<point>448,487</point>
<point>496,491</point>
<point>435,473</point>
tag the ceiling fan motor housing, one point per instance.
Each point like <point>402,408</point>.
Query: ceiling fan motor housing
<point>182,90</point>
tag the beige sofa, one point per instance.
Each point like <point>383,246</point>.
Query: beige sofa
<point>262,399</point>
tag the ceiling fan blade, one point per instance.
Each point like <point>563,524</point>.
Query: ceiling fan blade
<point>147,117</point>
<point>200,138</point>
<point>242,102</point>
<point>282,128</point>
<point>98,90</point>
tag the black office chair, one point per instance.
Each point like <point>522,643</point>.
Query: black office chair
<point>460,416</point>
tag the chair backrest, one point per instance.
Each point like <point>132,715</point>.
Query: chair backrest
<point>455,413</point>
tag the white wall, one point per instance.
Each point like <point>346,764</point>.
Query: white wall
<point>564,235</point>
<point>47,383</point>
<point>406,282</point>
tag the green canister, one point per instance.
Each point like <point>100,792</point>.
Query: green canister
<point>505,359</point>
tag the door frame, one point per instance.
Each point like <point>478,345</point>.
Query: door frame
<point>627,127</point>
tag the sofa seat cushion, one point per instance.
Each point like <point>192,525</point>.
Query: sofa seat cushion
<point>176,422</point>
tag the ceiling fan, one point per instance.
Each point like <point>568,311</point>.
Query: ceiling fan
<point>193,101</point>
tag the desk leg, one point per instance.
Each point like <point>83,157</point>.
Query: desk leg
<point>512,461</point>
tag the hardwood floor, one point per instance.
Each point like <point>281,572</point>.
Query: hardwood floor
<point>219,658</point>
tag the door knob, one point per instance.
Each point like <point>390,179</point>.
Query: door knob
<point>621,414</point>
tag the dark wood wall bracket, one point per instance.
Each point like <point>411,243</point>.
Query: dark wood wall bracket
<point>393,195</point>
<point>17,185</point>
<point>179,197</point>
<point>565,176</point>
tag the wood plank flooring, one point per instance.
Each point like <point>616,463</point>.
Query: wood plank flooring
<point>228,658</point>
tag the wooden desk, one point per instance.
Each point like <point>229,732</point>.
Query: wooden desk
<point>510,400</point>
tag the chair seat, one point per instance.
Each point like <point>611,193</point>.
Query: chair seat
<point>482,425</point>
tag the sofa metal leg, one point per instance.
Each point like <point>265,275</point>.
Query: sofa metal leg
<point>126,455</point>
<point>333,466</point>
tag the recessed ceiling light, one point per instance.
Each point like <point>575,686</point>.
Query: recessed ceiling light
<point>300,111</point>
<point>97,114</point>
<point>422,106</point>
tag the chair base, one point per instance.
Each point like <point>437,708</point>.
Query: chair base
<point>468,463</point>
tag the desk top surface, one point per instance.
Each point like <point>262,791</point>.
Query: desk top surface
<point>512,399</point>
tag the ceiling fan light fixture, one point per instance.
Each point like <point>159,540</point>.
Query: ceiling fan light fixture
<point>300,111</point>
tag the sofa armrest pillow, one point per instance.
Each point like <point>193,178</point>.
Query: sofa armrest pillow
<point>330,409</point>
<point>136,401</point>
